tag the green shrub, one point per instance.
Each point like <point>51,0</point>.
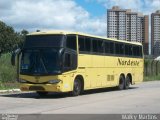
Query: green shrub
<point>151,78</point>
<point>7,72</point>
<point>151,70</point>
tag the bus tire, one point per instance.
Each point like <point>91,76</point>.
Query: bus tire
<point>42,93</point>
<point>127,82</point>
<point>121,82</point>
<point>77,87</point>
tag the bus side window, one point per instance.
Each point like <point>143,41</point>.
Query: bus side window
<point>117,48</point>
<point>94,45</point>
<point>67,60</point>
<point>81,43</point>
<point>136,51</point>
<point>130,52</point>
<point>71,42</point>
<point>112,47</point>
<point>100,46</point>
<point>140,51</point>
<point>107,47</point>
<point>126,50</point>
<point>88,44</point>
<point>70,61</point>
<point>121,48</point>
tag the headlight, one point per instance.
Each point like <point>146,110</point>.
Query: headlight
<point>54,81</point>
<point>22,81</point>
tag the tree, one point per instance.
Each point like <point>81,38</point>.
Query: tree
<point>22,36</point>
<point>9,39</point>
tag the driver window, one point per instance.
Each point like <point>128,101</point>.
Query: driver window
<point>67,62</point>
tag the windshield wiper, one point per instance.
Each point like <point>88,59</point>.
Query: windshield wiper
<point>35,58</point>
<point>33,63</point>
<point>44,66</point>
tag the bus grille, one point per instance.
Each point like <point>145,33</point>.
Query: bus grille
<point>36,88</point>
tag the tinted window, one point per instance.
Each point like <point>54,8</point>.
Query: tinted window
<point>70,61</point>
<point>95,45</point>
<point>81,43</point>
<point>107,47</point>
<point>100,46</point>
<point>128,50</point>
<point>67,62</point>
<point>137,51</point>
<point>71,42</point>
<point>116,48</point>
<point>44,41</point>
<point>84,44</point>
<point>140,51</point>
<point>112,47</point>
<point>40,61</point>
<point>88,44</point>
<point>119,48</point>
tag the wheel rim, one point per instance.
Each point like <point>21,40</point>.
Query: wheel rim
<point>127,82</point>
<point>77,87</point>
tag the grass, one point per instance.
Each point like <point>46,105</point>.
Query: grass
<point>151,70</point>
<point>7,73</point>
<point>151,78</point>
<point>6,86</point>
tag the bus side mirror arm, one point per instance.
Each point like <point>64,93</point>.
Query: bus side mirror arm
<point>61,59</point>
<point>13,57</point>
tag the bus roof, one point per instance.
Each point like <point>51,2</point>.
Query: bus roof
<point>79,33</point>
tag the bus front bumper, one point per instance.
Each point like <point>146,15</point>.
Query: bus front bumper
<point>41,87</point>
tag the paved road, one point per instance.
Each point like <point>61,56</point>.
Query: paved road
<point>142,98</point>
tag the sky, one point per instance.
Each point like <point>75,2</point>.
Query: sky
<point>87,16</point>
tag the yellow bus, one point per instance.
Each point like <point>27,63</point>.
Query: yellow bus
<point>59,61</point>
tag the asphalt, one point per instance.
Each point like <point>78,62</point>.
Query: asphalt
<point>143,98</point>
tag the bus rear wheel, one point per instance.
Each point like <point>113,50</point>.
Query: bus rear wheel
<point>127,82</point>
<point>77,88</point>
<point>121,83</point>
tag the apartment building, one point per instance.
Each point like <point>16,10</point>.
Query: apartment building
<point>123,24</point>
<point>155,33</point>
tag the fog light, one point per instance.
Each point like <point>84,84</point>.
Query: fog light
<point>24,89</point>
<point>22,81</point>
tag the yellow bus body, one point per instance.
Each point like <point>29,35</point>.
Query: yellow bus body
<point>98,71</point>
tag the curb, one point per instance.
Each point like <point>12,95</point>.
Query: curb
<point>10,90</point>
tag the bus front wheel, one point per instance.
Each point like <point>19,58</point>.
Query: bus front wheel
<point>77,87</point>
<point>121,83</point>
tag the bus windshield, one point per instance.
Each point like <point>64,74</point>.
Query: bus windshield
<point>40,61</point>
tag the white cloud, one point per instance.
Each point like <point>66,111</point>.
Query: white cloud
<point>64,14</point>
<point>144,6</point>
<point>50,14</point>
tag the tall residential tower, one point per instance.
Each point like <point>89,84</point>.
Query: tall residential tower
<point>123,24</point>
<point>155,33</point>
